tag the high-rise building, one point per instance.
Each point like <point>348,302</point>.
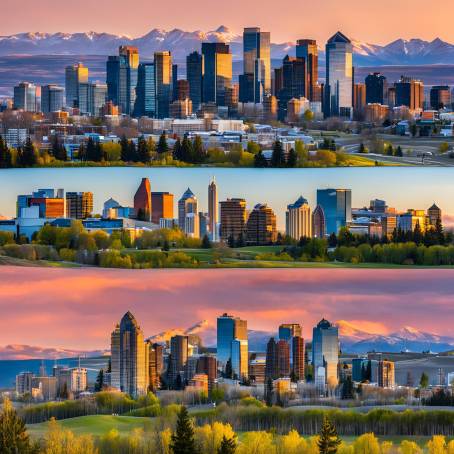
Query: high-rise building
<point>92,98</point>
<point>50,203</point>
<point>229,329</point>
<point>440,97</point>
<point>181,90</point>
<point>359,97</point>
<point>256,80</point>
<point>376,88</point>
<point>386,374</point>
<point>51,98</point>
<point>213,209</point>
<point>434,215</point>
<point>179,353</point>
<point>174,82</point>
<point>410,93</point>
<point>217,72</point>
<point>194,74</point>
<point>142,201</point>
<point>163,77</point>
<point>298,219</point>
<point>155,365</point>
<point>79,205</point>
<point>122,75</point>
<point>187,210</point>
<point>233,219</point>
<point>339,76</point>
<point>207,364</point>
<point>318,222</point>
<point>307,50</point>
<point>25,97</point>
<point>240,359</point>
<point>337,208</point>
<point>161,206</point>
<point>289,330</point>
<point>261,226</point>
<point>283,358</point>
<point>74,76</point>
<point>271,364</point>
<point>325,350</point>
<point>298,357</point>
<point>129,354</point>
<point>146,91</point>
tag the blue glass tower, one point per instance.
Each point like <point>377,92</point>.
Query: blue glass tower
<point>337,206</point>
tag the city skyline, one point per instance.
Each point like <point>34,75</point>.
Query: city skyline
<point>265,298</point>
<point>351,16</point>
<point>365,184</point>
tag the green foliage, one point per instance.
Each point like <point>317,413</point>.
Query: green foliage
<point>424,381</point>
<point>163,147</point>
<point>183,441</point>
<point>278,157</point>
<point>228,446</point>
<point>329,440</point>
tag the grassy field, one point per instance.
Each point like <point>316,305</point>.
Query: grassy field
<point>97,425</point>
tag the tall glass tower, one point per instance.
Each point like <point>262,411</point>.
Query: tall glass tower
<point>325,350</point>
<point>217,70</point>
<point>337,208</point>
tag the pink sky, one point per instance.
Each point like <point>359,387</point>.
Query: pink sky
<point>77,308</point>
<point>374,22</point>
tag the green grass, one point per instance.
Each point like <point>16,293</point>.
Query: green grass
<point>96,425</point>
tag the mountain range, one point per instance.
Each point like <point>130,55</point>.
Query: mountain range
<point>181,43</point>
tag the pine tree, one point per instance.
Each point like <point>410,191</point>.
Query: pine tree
<point>13,434</point>
<point>198,155</point>
<point>177,150</point>
<point>278,157</point>
<point>291,158</point>
<point>124,144</point>
<point>99,385</point>
<point>27,155</point>
<point>182,441</point>
<point>399,152</point>
<point>260,160</point>
<point>228,446</point>
<point>5,155</point>
<point>58,149</point>
<point>329,440</point>
<point>417,234</point>
<point>162,144</point>
<point>228,369</point>
<point>269,392</point>
<point>132,152</point>
<point>206,243</point>
<point>94,151</point>
<point>143,152</point>
<point>186,150</point>
<point>347,389</point>
<point>439,232</point>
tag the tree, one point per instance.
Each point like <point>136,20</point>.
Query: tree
<point>94,151</point>
<point>228,369</point>
<point>399,151</point>
<point>177,152</point>
<point>143,153</point>
<point>183,441</point>
<point>329,440</point>
<point>347,389</point>
<point>27,154</point>
<point>417,234</point>
<point>362,148</point>
<point>124,144</point>
<point>5,155</point>
<point>206,243</point>
<point>228,446</point>
<point>163,147</point>
<point>99,385</point>
<point>278,157</point>
<point>186,150</point>
<point>198,155</point>
<point>260,160</point>
<point>390,150</point>
<point>13,434</point>
<point>292,158</point>
<point>424,381</point>
<point>269,392</point>
<point>58,149</point>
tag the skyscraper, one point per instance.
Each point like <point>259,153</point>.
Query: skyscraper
<point>187,208</point>
<point>325,350</point>
<point>51,98</point>
<point>318,222</point>
<point>261,226</point>
<point>25,97</point>
<point>307,49</point>
<point>233,219</point>
<point>163,78</point>
<point>79,205</point>
<point>440,97</point>
<point>155,365</point>
<point>376,88</point>
<point>298,219</point>
<point>240,358</point>
<point>256,65</point>
<point>298,357</point>
<point>337,208</point>
<point>213,209</point>
<point>74,76</point>
<point>217,72</point>
<point>142,201</point>
<point>271,362</point>
<point>434,215</point>
<point>178,356</point>
<point>339,76</point>
<point>92,98</point>
<point>194,74</point>
<point>146,91</point>
<point>409,92</point>
<point>229,329</point>
<point>161,206</point>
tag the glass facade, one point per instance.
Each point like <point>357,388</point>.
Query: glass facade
<point>51,98</point>
<point>337,208</point>
<point>163,78</point>
<point>194,74</point>
<point>325,350</point>
<point>146,91</point>
<point>217,70</point>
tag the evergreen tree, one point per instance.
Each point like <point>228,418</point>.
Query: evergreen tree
<point>228,446</point>
<point>198,155</point>
<point>163,147</point>
<point>109,366</point>
<point>182,441</point>
<point>99,385</point>
<point>399,152</point>
<point>82,152</point>
<point>228,369</point>
<point>13,434</point>
<point>5,155</point>
<point>240,241</point>
<point>94,151</point>
<point>269,392</point>
<point>362,148</point>
<point>132,153</point>
<point>166,246</point>
<point>260,160</point>
<point>347,389</point>
<point>27,154</point>
<point>143,151</point>
<point>124,144</point>
<point>424,381</point>
<point>291,158</point>
<point>329,440</point>
<point>390,150</point>
<point>186,150</point>
<point>206,243</point>
<point>177,154</point>
<point>58,149</point>
<point>417,234</point>
<point>439,232</point>
<point>332,240</point>
<point>278,157</point>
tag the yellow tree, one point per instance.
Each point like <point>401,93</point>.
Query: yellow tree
<point>209,436</point>
<point>409,447</point>
<point>366,444</point>
<point>437,445</point>
<point>257,443</point>
<point>291,443</point>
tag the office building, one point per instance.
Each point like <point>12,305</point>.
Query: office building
<point>24,383</point>
<point>51,98</point>
<point>257,365</point>
<point>79,205</point>
<point>161,206</point>
<point>92,98</point>
<point>376,88</point>
<point>230,329</point>
<point>25,97</point>
<point>217,72</point>
<point>155,365</point>
<point>194,74</point>
<point>376,113</point>
<point>207,364</point>
<point>50,203</point>
<point>192,224</point>
<point>318,222</point>
<point>337,208</point>
<point>240,359</point>
<point>298,357</point>
<point>298,219</point>
<point>271,363</point>
<point>74,76</point>
<point>213,210</point>
<point>434,215</point>
<point>255,81</point>
<point>146,91</point>
<point>179,353</point>
<point>359,98</point>
<point>181,108</point>
<point>188,205</point>
<point>283,358</point>
<point>70,380</point>
<point>339,76</point>
<point>325,350</point>
<point>289,330</point>
<point>115,381</point>
<point>440,97</point>
<point>386,374</point>
<point>261,226</point>
<point>233,219</point>
<point>307,49</point>
<point>410,93</point>
<point>142,201</point>
<point>408,221</point>
<point>164,84</point>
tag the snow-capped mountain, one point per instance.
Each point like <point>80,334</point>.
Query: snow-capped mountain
<point>20,352</point>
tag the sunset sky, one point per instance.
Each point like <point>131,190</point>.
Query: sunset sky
<point>374,22</point>
<point>78,308</point>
